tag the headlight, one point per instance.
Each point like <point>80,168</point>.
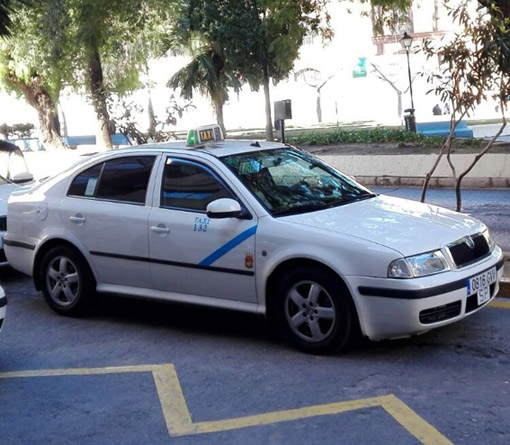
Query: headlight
<point>490,241</point>
<point>418,266</point>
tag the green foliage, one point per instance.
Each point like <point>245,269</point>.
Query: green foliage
<point>127,115</point>
<point>7,7</point>
<point>476,63</point>
<point>279,27</point>
<point>16,130</point>
<point>363,136</point>
<point>29,53</point>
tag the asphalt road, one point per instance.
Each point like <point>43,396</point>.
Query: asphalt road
<point>225,380</point>
<point>138,372</point>
<point>492,206</point>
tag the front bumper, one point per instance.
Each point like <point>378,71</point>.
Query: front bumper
<point>389,308</point>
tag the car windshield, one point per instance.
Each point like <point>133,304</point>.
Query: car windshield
<point>288,181</point>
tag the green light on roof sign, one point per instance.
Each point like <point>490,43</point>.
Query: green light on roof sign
<point>360,70</point>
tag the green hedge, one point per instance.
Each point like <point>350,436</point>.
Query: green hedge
<point>369,136</point>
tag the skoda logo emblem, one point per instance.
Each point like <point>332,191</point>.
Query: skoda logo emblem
<point>469,241</point>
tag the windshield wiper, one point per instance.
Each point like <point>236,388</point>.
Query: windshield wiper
<point>300,209</point>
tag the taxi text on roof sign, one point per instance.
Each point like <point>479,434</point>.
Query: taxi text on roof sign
<point>199,136</point>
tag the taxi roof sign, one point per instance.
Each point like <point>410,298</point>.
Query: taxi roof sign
<point>199,136</point>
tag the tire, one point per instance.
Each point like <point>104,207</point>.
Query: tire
<point>314,310</point>
<point>67,282</point>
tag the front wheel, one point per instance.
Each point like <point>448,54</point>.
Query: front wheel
<point>314,310</point>
<point>67,283</point>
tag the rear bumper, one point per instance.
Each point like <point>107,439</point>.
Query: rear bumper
<point>20,254</point>
<point>399,308</point>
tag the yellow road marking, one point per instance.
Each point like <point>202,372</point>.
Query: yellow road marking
<point>500,304</point>
<point>179,423</point>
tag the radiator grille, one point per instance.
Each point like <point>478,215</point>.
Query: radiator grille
<point>469,249</point>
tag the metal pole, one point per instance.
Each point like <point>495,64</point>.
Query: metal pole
<point>282,131</point>
<point>410,81</point>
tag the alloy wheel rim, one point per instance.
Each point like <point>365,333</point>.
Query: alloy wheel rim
<point>63,281</point>
<point>310,311</point>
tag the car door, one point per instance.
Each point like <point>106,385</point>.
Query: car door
<point>191,253</point>
<point>105,210</point>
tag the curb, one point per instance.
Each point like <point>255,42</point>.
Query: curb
<point>504,283</point>
<point>504,288</point>
<point>435,182</point>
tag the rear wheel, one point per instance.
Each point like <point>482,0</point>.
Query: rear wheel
<point>314,310</point>
<point>67,282</point>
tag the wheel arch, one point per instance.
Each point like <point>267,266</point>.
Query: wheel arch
<point>45,248</point>
<point>285,267</point>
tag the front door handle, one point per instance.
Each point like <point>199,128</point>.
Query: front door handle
<point>78,219</point>
<point>160,228</point>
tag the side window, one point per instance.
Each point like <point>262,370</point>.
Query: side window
<point>190,186</point>
<point>123,179</point>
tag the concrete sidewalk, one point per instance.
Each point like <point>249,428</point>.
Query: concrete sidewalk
<point>493,169</point>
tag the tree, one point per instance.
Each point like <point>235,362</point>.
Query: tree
<point>110,42</point>
<point>476,67</point>
<point>237,41</point>
<point>205,30</point>
<point>206,73</point>
<point>280,27</point>
<point>313,78</point>
<point>29,66</point>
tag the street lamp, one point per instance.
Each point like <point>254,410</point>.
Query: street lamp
<point>406,41</point>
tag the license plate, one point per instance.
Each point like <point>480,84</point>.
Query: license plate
<point>480,285</point>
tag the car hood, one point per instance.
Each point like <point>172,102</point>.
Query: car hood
<point>409,227</point>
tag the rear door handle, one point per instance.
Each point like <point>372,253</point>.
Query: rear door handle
<point>78,219</point>
<point>160,228</point>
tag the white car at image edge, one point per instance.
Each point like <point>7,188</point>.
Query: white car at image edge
<point>13,173</point>
<point>6,188</point>
<point>3,307</point>
<point>251,226</point>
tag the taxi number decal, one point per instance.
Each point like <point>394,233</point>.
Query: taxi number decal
<point>201,224</point>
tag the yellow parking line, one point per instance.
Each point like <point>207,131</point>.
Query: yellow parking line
<point>179,423</point>
<point>76,371</point>
<point>500,304</point>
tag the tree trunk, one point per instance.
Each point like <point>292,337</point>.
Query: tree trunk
<point>218,108</point>
<point>38,98</point>
<point>152,120</point>
<point>98,95</point>
<point>475,161</point>
<point>319,108</point>
<point>269,118</point>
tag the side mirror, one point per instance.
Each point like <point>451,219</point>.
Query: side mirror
<point>224,208</point>
<point>22,177</point>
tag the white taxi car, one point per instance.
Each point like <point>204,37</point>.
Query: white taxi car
<point>251,226</point>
